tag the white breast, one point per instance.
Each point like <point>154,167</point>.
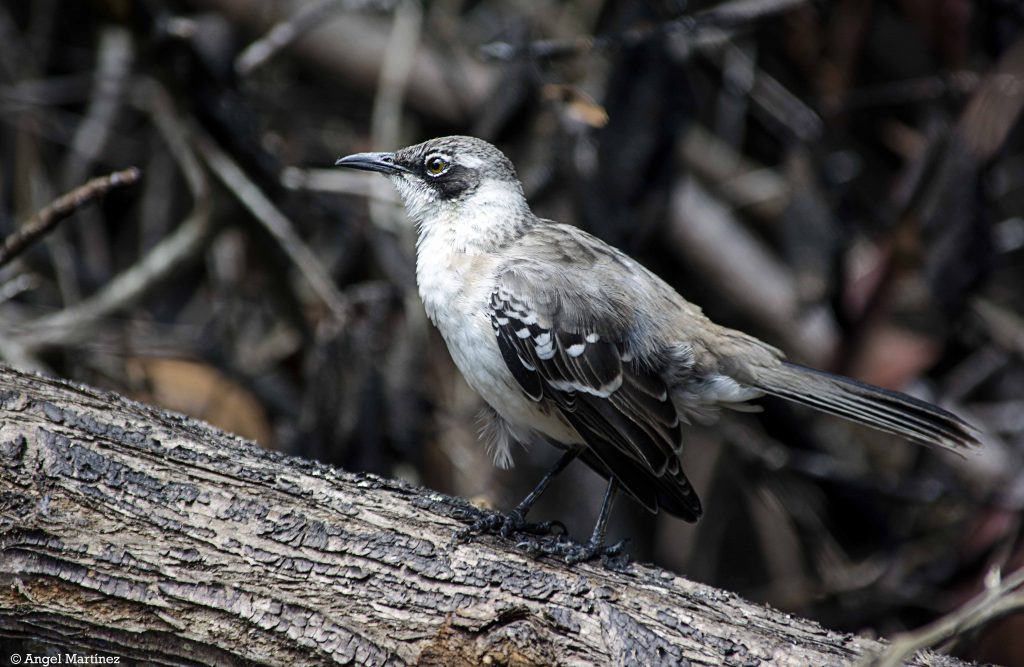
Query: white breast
<point>455,288</point>
<point>454,285</point>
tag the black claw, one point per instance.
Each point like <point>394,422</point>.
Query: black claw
<point>583,553</point>
<point>611,556</point>
<point>514,522</point>
<point>509,526</point>
<point>548,538</point>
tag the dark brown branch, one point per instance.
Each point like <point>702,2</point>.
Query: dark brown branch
<point>45,220</point>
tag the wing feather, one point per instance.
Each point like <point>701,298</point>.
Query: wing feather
<point>619,407</point>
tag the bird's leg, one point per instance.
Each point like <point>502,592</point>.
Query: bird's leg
<point>515,521</point>
<point>595,548</point>
<point>572,552</point>
<point>517,516</point>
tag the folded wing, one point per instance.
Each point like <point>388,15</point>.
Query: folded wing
<point>622,410</point>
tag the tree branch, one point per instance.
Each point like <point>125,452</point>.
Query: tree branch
<point>46,219</point>
<point>129,530</point>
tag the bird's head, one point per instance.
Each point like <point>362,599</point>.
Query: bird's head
<point>462,186</point>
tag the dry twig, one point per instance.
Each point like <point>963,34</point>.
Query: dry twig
<point>75,322</point>
<point>1000,597</point>
<point>275,222</point>
<point>45,220</point>
<point>282,34</point>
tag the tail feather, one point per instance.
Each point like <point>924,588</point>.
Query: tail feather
<point>883,409</point>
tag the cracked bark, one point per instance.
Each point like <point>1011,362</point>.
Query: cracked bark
<point>132,531</point>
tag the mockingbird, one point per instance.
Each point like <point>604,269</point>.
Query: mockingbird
<point>567,338</point>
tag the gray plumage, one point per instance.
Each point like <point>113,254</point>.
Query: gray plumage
<point>569,338</point>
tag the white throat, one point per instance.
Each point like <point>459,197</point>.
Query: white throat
<point>458,238</point>
<point>474,222</point>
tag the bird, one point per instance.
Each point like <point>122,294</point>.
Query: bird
<point>572,341</point>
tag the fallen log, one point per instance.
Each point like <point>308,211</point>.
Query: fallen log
<point>129,531</point>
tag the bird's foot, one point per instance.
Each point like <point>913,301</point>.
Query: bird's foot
<point>612,555</point>
<point>590,551</point>
<point>509,525</point>
<point>547,538</point>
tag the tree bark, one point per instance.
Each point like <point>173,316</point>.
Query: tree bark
<point>131,531</point>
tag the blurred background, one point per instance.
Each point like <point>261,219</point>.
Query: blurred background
<point>843,179</point>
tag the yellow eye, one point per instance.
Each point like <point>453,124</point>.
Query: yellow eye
<point>435,165</point>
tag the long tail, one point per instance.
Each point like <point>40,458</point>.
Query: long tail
<point>873,406</point>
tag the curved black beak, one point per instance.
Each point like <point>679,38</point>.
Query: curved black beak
<point>382,162</point>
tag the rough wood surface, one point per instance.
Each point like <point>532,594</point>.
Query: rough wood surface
<point>129,530</point>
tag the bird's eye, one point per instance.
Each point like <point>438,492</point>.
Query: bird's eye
<point>436,165</point>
